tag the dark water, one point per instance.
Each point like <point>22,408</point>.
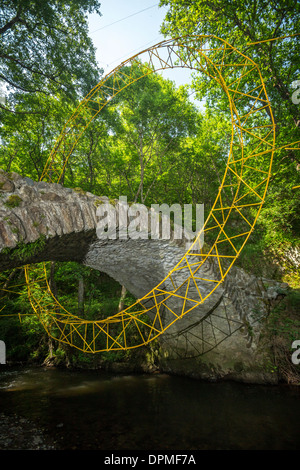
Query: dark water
<point>90,410</point>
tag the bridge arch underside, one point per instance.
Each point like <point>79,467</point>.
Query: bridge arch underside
<point>138,265</point>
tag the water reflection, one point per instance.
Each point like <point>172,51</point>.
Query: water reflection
<point>92,410</point>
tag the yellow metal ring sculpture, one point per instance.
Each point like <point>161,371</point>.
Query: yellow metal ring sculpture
<point>229,225</point>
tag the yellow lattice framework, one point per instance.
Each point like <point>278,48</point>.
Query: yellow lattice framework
<point>231,219</point>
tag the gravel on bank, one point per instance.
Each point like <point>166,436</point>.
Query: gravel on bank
<point>18,433</point>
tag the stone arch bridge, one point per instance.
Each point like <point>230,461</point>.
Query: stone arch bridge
<point>221,336</point>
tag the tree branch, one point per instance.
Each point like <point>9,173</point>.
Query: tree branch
<point>11,23</point>
<point>29,68</point>
<point>19,87</point>
<point>19,112</point>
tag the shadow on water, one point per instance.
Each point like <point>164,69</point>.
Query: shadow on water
<point>92,410</point>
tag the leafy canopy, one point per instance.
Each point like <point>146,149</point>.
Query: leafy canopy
<point>45,47</point>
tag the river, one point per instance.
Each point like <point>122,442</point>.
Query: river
<point>92,410</point>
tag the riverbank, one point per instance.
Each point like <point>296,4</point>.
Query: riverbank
<point>185,368</point>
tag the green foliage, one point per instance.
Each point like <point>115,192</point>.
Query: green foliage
<point>45,47</point>
<point>25,251</point>
<point>24,337</point>
<point>283,325</point>
<point>13,201</point>
<point>282,328</point>
<point>242,22</point>
<point>135,147</point>
<point>47,64</point>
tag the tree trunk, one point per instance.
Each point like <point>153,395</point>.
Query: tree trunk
<point>122,299</point>
<point>50,347</point>
<point>81,296</point>
<point>52,282</point>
